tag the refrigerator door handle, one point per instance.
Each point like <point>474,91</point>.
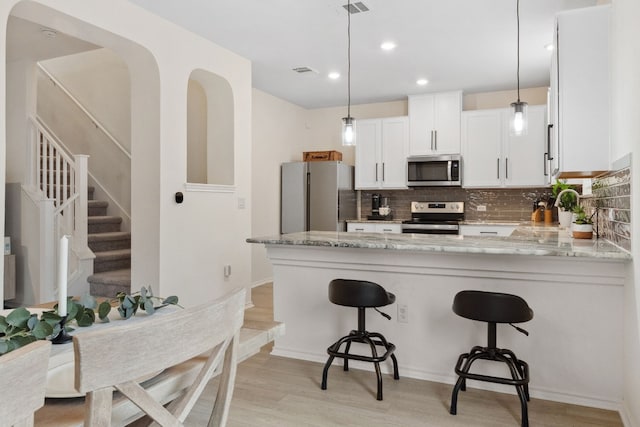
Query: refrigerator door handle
<point>307,225</point>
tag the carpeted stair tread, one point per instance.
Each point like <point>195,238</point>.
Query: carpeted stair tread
<point>109,283</point>
<point>102,219</point>
<point>117,277</point>
<point>98,204</point>
<point>109,241</point>
<point>97,207</point>
<point>114,254</point>
<point>109,236</point>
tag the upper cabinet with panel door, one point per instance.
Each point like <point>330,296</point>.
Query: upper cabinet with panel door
<point>381,153</point>
<point>579,96</point>
<point>494,158</point>
<point>435,123</point>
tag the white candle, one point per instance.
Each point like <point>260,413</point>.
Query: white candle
<point>63,254</point>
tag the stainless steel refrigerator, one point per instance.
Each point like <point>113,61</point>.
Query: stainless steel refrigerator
<point>316,196</point>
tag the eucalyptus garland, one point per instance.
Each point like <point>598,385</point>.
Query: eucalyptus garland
<point>21,327</point>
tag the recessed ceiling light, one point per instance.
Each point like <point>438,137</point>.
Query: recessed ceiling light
<point>549,46</point>
<point>334,75</point>
<point>422,82</point>
<point>388,46</point>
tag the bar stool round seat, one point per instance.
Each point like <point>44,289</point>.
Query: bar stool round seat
<point>493,308</point>
<point>362,295</point>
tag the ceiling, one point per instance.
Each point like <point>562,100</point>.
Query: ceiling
<point>455,44</point>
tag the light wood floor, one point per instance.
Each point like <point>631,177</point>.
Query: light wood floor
<point>276,391</point>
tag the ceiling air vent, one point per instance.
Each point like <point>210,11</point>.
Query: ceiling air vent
<point>356,7</point>
<point>302,70</point>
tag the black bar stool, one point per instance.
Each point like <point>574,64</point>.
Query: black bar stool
<point>493,308</point>
<point>361,294</point>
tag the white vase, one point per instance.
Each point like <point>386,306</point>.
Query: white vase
<point>565,218</point>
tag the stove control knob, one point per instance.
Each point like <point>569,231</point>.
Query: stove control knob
<point>418,206</point>
<point>454,207</point>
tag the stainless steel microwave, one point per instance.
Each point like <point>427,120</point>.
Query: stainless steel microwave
<point>434,171</point>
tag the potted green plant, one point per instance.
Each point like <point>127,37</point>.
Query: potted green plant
<point>582,227</point>
<point>566,199</point>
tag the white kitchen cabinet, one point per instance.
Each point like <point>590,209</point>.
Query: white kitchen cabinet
<point>494,158</point>
<point>487,230</point>
<point>580,88</point>
<point>434,121</point>
<point>381,159</point>
<point>365,227</point>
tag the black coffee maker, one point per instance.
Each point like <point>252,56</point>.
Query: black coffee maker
<point>375,204</point>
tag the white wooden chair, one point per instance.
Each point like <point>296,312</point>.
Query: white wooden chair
<point>23,373</point>
<point>115,357</point>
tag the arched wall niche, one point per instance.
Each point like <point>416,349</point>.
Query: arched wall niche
<point>210,129</point>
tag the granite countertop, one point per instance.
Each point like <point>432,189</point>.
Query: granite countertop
<point>527,239</point>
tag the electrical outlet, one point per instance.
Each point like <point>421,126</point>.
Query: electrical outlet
<point>403,313</point>
<point>481,208</point>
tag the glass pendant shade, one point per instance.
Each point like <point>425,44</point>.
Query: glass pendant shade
<point>518,120</point>
<point>348,131</point>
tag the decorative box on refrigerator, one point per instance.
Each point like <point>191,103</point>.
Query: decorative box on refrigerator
<point>316,196</point>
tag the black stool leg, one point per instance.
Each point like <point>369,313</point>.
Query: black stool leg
<point>461,383</point>
<point>454,396</point>
<point>519,389</point>
<point>387,345</point>
<point>374,353</point>
<point>522,369</point>
<point>345,367</point>
<point>325,371</point>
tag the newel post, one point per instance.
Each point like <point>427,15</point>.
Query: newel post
<point>81,204</point>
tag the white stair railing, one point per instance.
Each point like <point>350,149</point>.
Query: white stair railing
<point>62,178</point>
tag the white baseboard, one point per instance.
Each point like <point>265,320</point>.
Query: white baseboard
<point>445,378</point>
<point>261,282</point>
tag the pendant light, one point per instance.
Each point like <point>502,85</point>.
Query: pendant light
<point>518,121</point>
<point>349,123</point>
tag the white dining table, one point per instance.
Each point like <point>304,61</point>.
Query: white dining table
<point>61,373</point>
<point>64,405</point>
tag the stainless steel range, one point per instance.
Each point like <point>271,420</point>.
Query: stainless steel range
<point>434,218</point>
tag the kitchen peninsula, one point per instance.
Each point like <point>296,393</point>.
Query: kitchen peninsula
<point>574,287</point>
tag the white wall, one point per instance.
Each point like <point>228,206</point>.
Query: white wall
<point>625,138</point>
<point>177,249</point>
<point>99,79</point>
<point>280,134</point>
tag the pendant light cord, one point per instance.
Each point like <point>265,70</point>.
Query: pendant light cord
<point>518,51</point>
<point>349,58</point>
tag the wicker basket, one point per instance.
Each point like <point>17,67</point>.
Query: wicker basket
<point>321,156</point>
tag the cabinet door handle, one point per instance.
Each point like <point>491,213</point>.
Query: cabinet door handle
<point>431,146</point>
<point>549,153</point>
<point>435,140</point>
<point>382,171</point>
<point>359,229</point>
<point>498,169</point>
<point>545,159</point>
<point>495,233</point>
<point>506,168</point>
<point>376,172</point>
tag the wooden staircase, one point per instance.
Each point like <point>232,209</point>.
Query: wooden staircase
<point>112,248</point>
